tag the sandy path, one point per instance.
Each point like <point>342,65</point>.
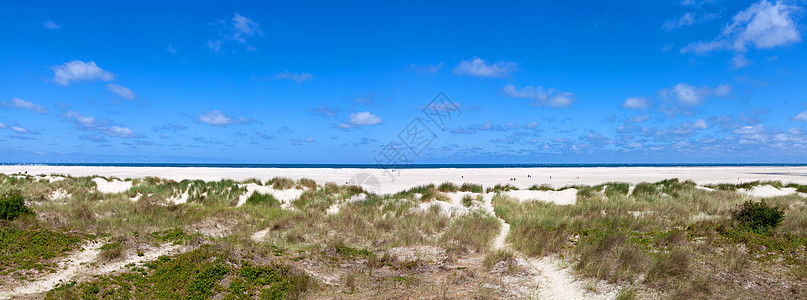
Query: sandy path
<point>81,264</point>
<point>68,268</point>
<point>554,281</point>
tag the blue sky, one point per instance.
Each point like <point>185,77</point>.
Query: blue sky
<point>323,82</point>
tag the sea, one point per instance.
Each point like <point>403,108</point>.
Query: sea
<point>412,166</point>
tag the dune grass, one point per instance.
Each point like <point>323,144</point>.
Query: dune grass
<point>666,237</point>
<point>660,236</point>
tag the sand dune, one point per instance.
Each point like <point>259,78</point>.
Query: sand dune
<point>408,178</point>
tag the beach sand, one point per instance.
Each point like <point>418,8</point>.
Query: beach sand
<point>381,181</point>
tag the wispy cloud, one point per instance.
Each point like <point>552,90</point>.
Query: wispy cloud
<point>236,30</point>
<point>323,111</point>
<point>426,69</point>
<point>296,77</point>
<point>219,119</point>
<point>763,25</point>
<point>540,96</point>
<point>690,96</point>
<point>121,91</point>
<point>638,119</point>
<point>490,126</point>
<point>636,103</point>
<point>81,121</point>
<point>80,71</point>
<point>171,49</point>
<point>688,19</point>
<point>19,103</point>
<point>802,116</point>
<point>93,138</point>
<point>300,141</point>
<point>50,25</point>
<point>480,68</point>
<point>89,123</point>
<point>118,131</point>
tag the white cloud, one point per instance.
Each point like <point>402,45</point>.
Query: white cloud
<point>87,122</point>
<point>80,71</point>
<point>684,20</point>
<point>118,131</point>
<point>450,106</point>
<point>636,103</point>
<point>750,129</point>
<point>638,119</point>
<point>90,123</point>
<point>427,69</point>
<point>763,25</point>
<point>688,19</point>
<point>244,27</point>
<point>479,67</point>
<point>3,125</point>
<point>296,77</point>
<point>19,103</point>
<point>689,95</point>
<point>19,130</point>
<point>540,96</point>
<point>694,2</point>
<point>722,90</point>
<point>802,116</point>
<point>122,91</point>
<point>364,118</point>
<point>50,25</point>
<point>217,118</point>
<point>531,125</point>
<point>299,141</point>
<point>238,29</point>
<point>171,49</point>
<point>700,124</point>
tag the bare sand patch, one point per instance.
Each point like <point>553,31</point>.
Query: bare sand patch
<point>114,187</point>
<point>444,207</point>
<point>562,197</point>
<point>767,191</point>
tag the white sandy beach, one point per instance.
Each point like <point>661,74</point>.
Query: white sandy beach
<point>408,178</point>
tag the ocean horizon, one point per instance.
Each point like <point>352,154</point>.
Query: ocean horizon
<point>406,166</point>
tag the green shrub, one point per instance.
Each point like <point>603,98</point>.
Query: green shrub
<point>645,189</point>
<point>12,205</point>
<point>281,183</point>
<point>467,200</point>
<point>615,189</point>
<point>447,187</point>
<point>759,217</point>
<point>502,188</point>
<point>470,187</point>
<point>112,251</point>
<point>262,199</point>
<point>543,187</point>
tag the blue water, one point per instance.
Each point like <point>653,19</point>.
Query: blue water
<point>412,166</point>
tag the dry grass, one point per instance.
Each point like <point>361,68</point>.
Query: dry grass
<point>665,238</point>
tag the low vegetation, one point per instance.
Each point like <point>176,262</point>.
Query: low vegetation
<point>200,274</point>
<point>671,238</point>
<point>12,205</point>
<point>666,239</point>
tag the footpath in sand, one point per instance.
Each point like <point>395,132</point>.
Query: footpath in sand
<point>552,278</point>
<point>84,263</point>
